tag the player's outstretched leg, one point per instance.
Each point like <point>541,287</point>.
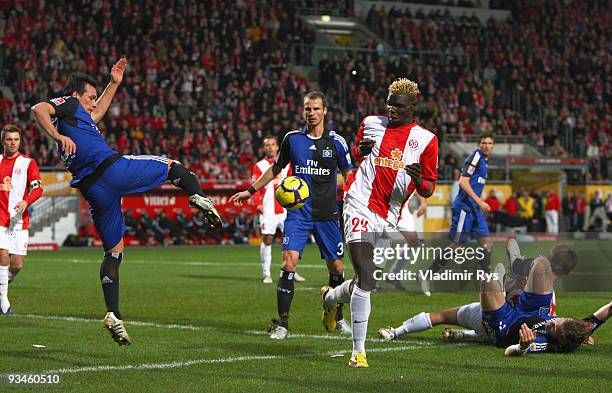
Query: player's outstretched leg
<point>183,178</point>
<point>109,278</point>
<point>418,323</point>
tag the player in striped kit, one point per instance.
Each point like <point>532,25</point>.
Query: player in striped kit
<point>20,188</point>
<point>272,213</point>
<point>398,158</point>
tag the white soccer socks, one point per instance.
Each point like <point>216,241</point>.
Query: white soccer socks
<point>418,323</point>
<point>360,313</point>
<point>265,254</point>
<point>4,302</point>
<point>340,294</point>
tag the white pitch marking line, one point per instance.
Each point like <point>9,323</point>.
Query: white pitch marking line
<point>133,323</point>
<point>204,328</point>
<point>193,362</point>
<point>337,337</point>
<point>184,263</point>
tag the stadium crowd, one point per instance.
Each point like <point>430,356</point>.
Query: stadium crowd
<point>207,80</point>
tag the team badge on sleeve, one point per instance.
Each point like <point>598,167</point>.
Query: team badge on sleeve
<point>58,101</point>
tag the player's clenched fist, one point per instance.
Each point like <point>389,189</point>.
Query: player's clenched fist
<point>414,170</point>
<point>365,146</point>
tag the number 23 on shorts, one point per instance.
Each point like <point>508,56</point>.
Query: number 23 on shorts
<point>360,224</point>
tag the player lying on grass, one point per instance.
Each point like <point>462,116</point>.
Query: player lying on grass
<point>530,326</point>
<point>563,260</point>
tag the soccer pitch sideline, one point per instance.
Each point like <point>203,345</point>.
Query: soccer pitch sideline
<point>197,318</point>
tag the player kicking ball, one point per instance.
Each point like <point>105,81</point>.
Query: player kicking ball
<point>398,158</point>
<point>103,175</point>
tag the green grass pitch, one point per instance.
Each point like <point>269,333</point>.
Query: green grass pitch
<point>197,318</point>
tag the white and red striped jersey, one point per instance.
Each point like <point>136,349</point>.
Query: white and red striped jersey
<point>265,197</point>
<point>381,183</point>
<point>17,175</point>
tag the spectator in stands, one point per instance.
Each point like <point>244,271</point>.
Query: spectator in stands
<point>511,205</point>
<point>445,171</point>
<point>158,232</point>
<point>168,228</point>
<point>146,223</point>
<point>569,212</point>
<point>131,225</point>
<point>525,206</point>
<point>241,228</point>
<point>598,221</point>
<point>553,205</point>
<point>493,201</point>
<point>580,207</point>
<point>609,206</point>
<point>185,228</point>
<point>537,221</point>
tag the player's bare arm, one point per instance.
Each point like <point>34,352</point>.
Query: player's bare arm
<point>422,206</point>
<point>43,112</point>
<point>464,183</point>
<point>261,182</point>
<point>604,312</point>
<point>104,101</point>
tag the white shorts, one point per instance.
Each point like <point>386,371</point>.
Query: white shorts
<point>470,316</point>
<point>363,225</point>
<point>16,241</point>
<point>407,221</point>
<point>270,223</point>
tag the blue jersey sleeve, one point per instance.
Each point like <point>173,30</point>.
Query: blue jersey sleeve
<point>65,108</point>
<point>284,153</point>
<point>540,344</point>
<point>471,164</point>
<point>344,154</point>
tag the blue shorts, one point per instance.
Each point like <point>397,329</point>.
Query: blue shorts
<point>326,233</point>
<point>128,175</point>
<point>528,305</point>
<point>467,222</point>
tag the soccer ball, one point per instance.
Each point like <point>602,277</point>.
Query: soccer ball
<point>292,193</point>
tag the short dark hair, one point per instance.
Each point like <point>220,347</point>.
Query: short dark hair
<point>562,259</point>
<point>76,82</point>
<point>314,94</point>
<point>271,136</point>
<point>485,135</point>
<point>9,128</point>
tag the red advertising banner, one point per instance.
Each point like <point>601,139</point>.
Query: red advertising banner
<point>171,203</point>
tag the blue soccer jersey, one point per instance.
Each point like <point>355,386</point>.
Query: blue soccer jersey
<point>317,162</point>
<point>468,220</point>
<point>534,310</point>
<point>72,121</point>
<point>475,167</point>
